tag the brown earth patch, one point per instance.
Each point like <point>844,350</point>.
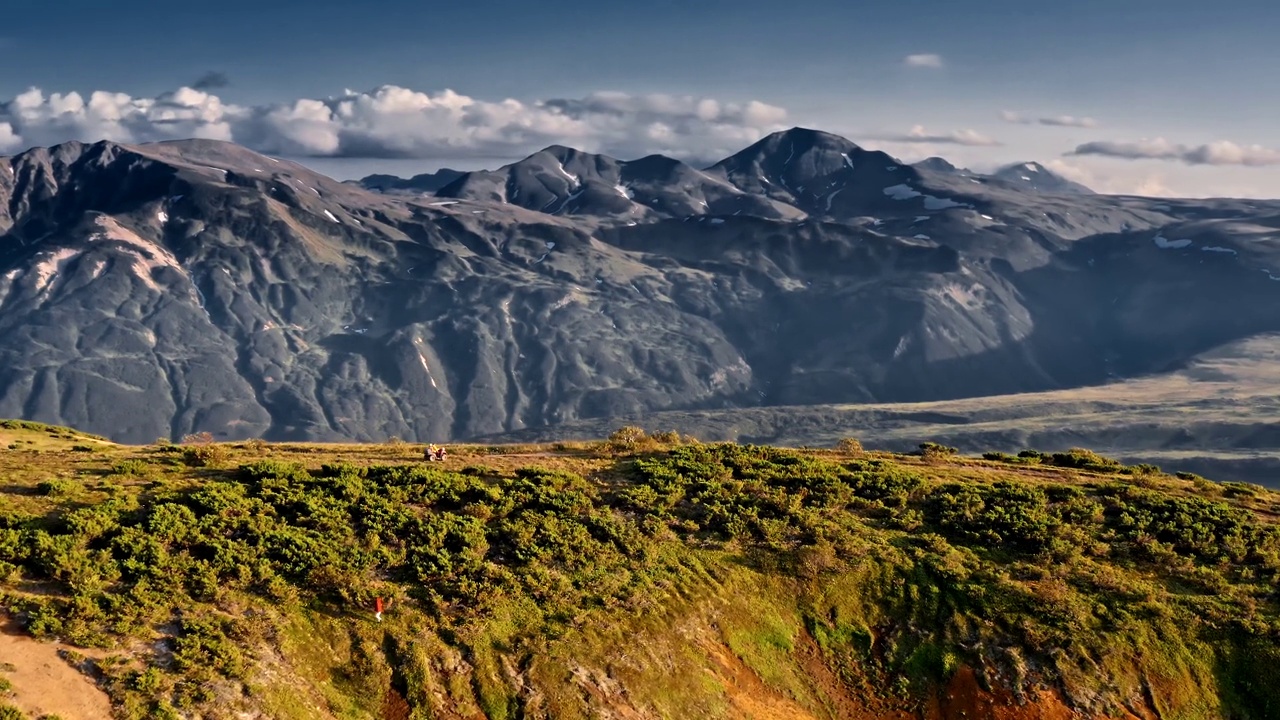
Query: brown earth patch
<point>847,699</point>
<point>394,706</point>
<point>747,694</point>
<point>45,684</point>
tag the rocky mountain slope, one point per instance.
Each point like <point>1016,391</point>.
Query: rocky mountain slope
<point>189,286</point>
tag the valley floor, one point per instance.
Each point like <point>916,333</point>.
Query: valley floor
<point>1219,416</point>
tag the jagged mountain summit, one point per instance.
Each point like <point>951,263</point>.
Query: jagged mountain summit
<point>1037,177</point>
<point>937,164</point>
<point>163,289</point>
<point>563,181</point>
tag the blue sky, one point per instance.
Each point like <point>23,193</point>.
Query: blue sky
<point>1159,79</point>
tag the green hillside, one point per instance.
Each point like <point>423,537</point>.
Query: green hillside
<point>638,577</point>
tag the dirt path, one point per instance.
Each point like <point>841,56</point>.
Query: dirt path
<point>43,683</point>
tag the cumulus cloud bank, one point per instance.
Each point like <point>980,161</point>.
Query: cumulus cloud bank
<point>919,135</point>
<point>394,122</point>
<point>1053,121</point>
<point>1215,153</point>
<point>923,60</point>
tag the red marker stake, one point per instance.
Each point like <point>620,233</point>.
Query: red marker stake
<point>377,602</point>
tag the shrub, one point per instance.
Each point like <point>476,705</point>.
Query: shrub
<point>934,451</point>
<point>134,467</point>
<point>56,487</point>
<point>850,446</point>
<point>1142,470</point>
<point>670,437</point>
<point>1083,459</point>
<point>204,455</point>
<point>1239,489</point>
<point>629,437</point>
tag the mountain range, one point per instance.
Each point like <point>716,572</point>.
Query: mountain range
<point>159,290</point>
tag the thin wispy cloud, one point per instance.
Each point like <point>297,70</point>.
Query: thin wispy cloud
<point>923,60</point>
<point>396,122</point>
<point>1216,153</point>
<point>1053,120</point>
<point>919,135</point>
<point>211,81</point>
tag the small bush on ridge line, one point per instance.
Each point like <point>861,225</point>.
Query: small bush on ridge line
<point>933,451</point>
<point>204,455</point>
<point>629,438</point>
<point>850,446</point>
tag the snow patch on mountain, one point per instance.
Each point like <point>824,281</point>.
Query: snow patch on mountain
<point>51,266</point>
<point>936,203</point>
<point>901,192</point>
<point>146,255</point>
<point>831,197</point>
<point>573,179</point>
<point>1166,244</point>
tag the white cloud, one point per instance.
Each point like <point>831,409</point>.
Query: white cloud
<point>396,122</point>
<point>1074,173</point>
<point>1215,153</point>
<point>1154,186</point>
<point>1053,121</point>
<point>923,60</point>
<point>918,135</point>
<point>9,140</point>
<point>1147,184</point>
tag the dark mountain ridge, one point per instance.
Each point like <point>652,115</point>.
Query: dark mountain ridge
<point>164,289</point>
